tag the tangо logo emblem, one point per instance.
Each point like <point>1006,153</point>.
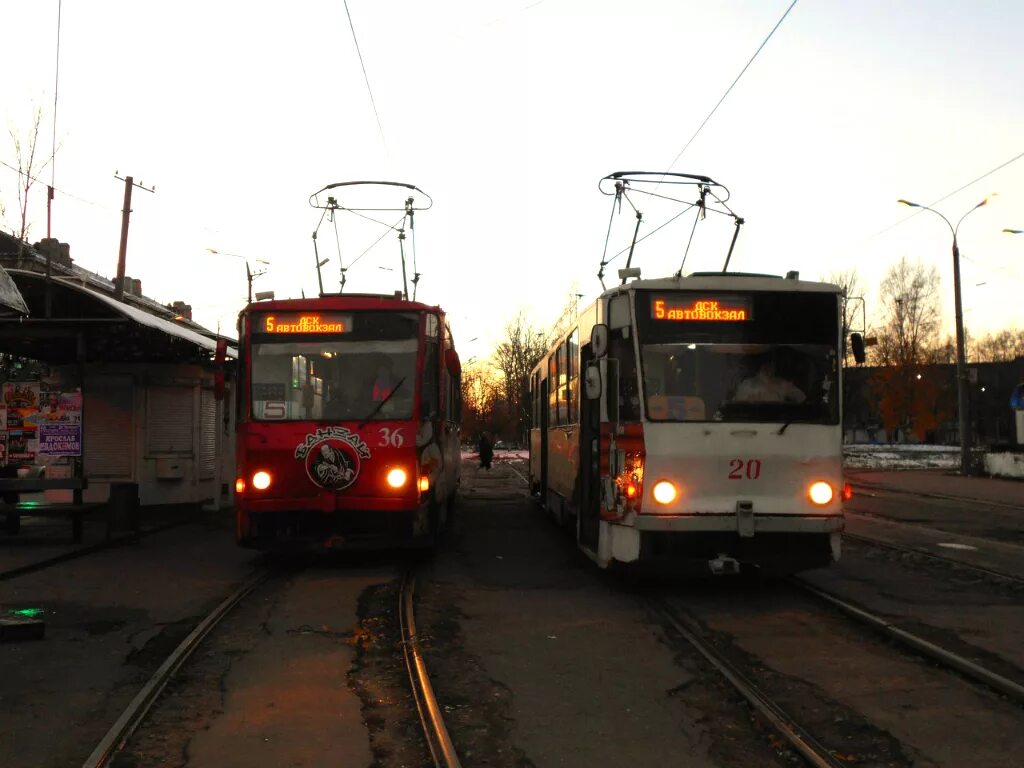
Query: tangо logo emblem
<point>332,457</point>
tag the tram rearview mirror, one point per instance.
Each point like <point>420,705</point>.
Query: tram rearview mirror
<point>592,381</point>
<point>857,347</point>
<point>599,340</point>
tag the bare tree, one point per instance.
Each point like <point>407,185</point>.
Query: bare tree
<point>909,295</point>
<point>1005,345</point>
<point>515,357</point>
<point>25,151</point>
<point>908,339</point>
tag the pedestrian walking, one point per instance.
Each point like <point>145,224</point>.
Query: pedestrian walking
<point>486,451</point>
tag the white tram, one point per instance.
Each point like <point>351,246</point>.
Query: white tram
<point>697,418</point>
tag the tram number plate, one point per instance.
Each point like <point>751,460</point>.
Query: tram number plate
<point>744,469</point>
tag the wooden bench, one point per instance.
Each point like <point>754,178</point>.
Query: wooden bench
<point>76,508</point>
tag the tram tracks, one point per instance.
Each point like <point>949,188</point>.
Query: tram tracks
<point>439,743</point>
<point>798,738</point>
<point>740,657</point>
<point>117,736</point>
<point>922,552</point>
<point>918,645</point>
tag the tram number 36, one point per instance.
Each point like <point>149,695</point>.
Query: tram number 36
<point>749,469</point>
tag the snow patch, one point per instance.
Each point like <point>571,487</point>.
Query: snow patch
<point>1005,464</point>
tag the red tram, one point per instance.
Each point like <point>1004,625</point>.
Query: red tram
<point>348,422</point>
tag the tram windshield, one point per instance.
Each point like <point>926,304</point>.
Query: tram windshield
<point>750,358</point>
<point>363,360</point>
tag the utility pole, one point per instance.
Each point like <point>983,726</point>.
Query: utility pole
<point>125,214</point>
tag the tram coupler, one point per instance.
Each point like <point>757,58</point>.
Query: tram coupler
<point>723,565</point>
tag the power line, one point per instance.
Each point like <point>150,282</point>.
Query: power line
<point>366,77</point>
<point>945,197</point>
<point>55,189</point>
<point>763,43</point>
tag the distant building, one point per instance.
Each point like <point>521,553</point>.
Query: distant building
<point>990,388</point>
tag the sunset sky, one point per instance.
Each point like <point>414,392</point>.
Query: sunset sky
<point>508,114</point>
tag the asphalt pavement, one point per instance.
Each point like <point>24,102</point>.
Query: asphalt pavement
<point>941,484</point>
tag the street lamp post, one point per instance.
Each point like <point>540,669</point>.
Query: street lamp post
<point>961,364</point>
<point>249,274</point>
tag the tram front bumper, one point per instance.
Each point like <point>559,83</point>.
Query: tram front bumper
<point>733,522</point>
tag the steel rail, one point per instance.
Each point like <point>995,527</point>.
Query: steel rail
<point>815,753</point>
<point>933,555</point>
<point>919,645</point>
<point>884,489</point>
<point>118,735</point>
<point>442,751</point>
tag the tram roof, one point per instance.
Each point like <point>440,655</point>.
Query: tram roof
<point>725,281</point>
<point>341,301</point>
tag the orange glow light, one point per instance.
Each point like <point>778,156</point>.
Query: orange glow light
<point>664,492</point>
<point>397,477</point>
<point>424,484</point>
<point>296,322</point>
<point>821,493</point>
<point>240,485</point>
<point>631,491</point>
<point>706,310</point>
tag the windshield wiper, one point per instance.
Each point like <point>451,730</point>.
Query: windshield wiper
<point>380,405</point>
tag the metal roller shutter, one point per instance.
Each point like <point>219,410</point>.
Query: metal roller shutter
<point>108,439</point>
<point>207,435</point>
<point>169,421</point>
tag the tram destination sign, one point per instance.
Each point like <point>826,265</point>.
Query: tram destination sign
<point>701,309</point>
<point>305,322</point>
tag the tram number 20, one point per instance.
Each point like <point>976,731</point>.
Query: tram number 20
<point>740,469</point>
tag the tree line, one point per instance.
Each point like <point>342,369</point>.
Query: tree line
<point>907,338</point>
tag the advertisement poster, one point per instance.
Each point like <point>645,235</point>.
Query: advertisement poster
<point>3,448</point>
<point>59,408</point>
<point>21,406</point>
<point>60,439</point>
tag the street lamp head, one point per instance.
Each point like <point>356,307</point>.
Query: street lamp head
<point>908,203</point>
<point>1014,231</point>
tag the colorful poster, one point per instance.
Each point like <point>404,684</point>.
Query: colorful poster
<point>60,439</point>
<point>22,445</point>
<point>59,408</point>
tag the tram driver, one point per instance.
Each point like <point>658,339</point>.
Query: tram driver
<point>766,386</point>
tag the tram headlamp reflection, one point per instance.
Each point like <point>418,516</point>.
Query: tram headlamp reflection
<point>821,493</point>
<point>397,477</point>
<point>665,492</point>
<point>261,480</point>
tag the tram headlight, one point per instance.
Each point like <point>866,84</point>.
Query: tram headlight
<point>665,492</point>
<point>397,477</point>
<point>261,480</point>
<point>821,493</point>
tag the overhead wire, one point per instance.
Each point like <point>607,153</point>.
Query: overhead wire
<point>392,227</point>
<point>366,77</point>
<point>55,189</point>
<point>729,89</point>
<point>945,197</point>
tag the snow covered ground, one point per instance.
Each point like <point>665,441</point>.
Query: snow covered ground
<point>886,457</point>
<point>871,457</point>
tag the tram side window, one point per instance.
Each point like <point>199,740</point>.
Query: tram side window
<point>429,404</point>
<point>629,392</point>
<point>573,373</point>
<point>552,391</point>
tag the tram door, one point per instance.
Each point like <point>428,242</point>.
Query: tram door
<point>544,442</point>
<point>590,472</point>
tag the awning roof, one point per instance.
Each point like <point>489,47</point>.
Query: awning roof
<point>11,300</point>
<point>108,330</point>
